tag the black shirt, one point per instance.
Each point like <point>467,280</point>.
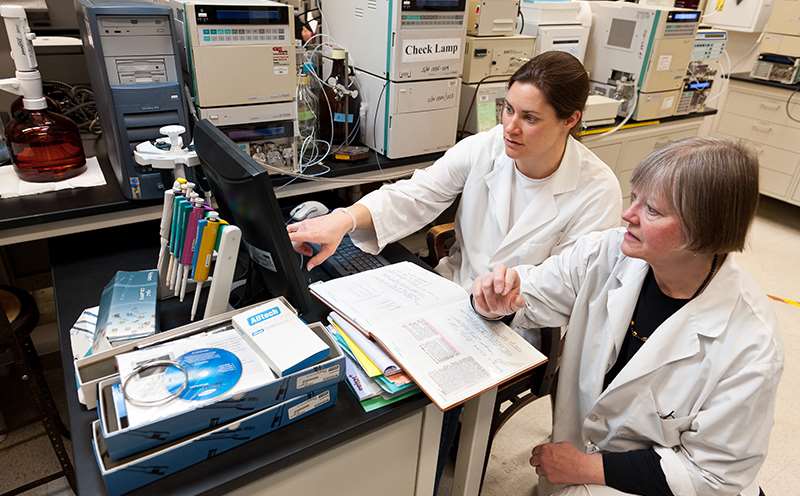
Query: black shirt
<point>639,471</point>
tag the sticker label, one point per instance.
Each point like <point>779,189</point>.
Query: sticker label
<point>309,405</point>
<point>667,103</point>
<point>321,375</point>
<point>664,62</point>
<point>431,49</point>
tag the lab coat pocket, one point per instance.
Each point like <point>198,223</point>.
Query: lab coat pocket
<point>534,253</point>
<point>653,423</point>
<point>670,423</point>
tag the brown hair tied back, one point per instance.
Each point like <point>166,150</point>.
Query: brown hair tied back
<point>561,78</point>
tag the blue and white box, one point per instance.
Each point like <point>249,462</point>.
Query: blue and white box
<point>120,442</point>
<point>128,306</point>
<point>122,476</point>
<point>287,343</point>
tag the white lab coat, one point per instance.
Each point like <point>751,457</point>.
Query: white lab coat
<point>701,390</point>
<point>584,196</point>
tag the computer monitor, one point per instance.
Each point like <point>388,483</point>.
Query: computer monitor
<point>244,193</point>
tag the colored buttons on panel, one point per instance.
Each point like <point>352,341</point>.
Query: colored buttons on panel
<point>243,34</point>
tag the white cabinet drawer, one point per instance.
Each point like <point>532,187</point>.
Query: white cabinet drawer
<point>762,107</point>
<point>773,183</point>
<point>775,159</point>
<point>758,131</point>
<point>608,154</point>
<point>634,151</point>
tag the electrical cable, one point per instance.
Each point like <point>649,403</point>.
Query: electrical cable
<point>627,117</point>
<point>375,125</point>
<point>463,129</point>
<point>788,105</point>
<point>522,16</point>
<point>76,102</point>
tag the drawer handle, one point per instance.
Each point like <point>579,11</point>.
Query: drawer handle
<point>770,107</point>
<point>763,129</point>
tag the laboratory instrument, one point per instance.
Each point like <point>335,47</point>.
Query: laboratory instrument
<point>407,40</point>
<point>495,58</point>
<point>44,146</point>
<point>409,118</point>
<point>600,110</point>
<point>340,109</point>
<point>562,26</point>
<point>709,47</point>
<point>640,49</point>
<point>133,64</point>
<point>783,69</point>
<point>492,17</point>
<point>481,106</point>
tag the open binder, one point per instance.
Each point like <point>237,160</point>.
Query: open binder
<point>427,325</point>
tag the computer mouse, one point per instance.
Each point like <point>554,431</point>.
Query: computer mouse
<point>308,210</point>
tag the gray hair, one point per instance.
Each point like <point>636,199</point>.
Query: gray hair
<point>712,186</point>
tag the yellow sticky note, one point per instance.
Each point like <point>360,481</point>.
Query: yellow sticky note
<point>368,365</point>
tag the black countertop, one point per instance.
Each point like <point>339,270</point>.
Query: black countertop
<point>81,265</point>
<point>745,77</point>
<point>67,204</point>
<point>82,202</point>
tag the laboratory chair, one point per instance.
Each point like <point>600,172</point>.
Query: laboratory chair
<point>516,394</point>
<point>19,317</point>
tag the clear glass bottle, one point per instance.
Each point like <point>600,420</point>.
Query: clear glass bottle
<point>307,108</point>
<point>45,146</point>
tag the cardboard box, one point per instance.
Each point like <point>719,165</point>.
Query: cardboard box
<point>121,443</point>
<point>121,476</point>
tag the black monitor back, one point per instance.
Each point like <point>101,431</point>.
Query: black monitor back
<point>246,198</point>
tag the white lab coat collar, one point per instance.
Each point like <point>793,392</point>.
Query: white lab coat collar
<point>677,337</point>
<point>542,208</point>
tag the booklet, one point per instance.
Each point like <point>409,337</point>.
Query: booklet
<point>427,325</point>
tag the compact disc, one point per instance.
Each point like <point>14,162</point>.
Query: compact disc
<point>211,371</point>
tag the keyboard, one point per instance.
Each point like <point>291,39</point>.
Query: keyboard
<point>348,259</point>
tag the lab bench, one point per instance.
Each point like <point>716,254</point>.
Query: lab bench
<point>391,450</point>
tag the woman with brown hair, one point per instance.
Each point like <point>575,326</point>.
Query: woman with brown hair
<point>528,188</point>
<point>671,364</point>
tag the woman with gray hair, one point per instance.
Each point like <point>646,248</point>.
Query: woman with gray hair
<point>672,360</point>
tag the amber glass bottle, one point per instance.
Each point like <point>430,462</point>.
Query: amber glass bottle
<point>45,146</point>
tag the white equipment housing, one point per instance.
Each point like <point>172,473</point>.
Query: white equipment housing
<point>785,18</point>
<point>495,58</point>
<point>239,52</point>
<point>492,17</point>
<point>651,46</point>
<point>406,40</point>
<point>600,110</point>
<point>413,118</point>
<point>747,16</point>
<point>562,26</point>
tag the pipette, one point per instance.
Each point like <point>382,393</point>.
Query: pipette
<point>183,224</point>
<point>208,231</point>
<point>188,243</point>
<point>166,222</point>
<point>179,197</point>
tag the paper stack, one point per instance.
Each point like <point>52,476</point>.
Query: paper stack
<point>372,375</point>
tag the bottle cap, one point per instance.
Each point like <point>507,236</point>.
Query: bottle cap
<point>338,53</point>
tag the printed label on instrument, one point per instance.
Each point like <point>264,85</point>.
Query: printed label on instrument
<point>427,50</point>
<point>318,376</point>
<point>667,103</point>
<point>664,62</point>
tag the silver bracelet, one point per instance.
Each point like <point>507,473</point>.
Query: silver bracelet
<point>150,365</point>
<point>349,214</point>
<point>472,304</point>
